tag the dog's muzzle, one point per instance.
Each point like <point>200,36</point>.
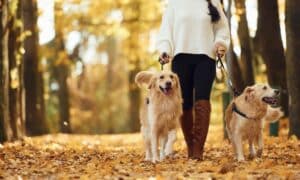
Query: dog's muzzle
<point>273,100</point>
<point>270,100</point>
<point>167,89</point>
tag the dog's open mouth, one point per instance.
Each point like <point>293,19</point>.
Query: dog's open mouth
<point>270,100</point>
<point>165,90</point>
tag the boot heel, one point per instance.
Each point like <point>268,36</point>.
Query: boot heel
<point>201,124</point>
<point>187,129</point>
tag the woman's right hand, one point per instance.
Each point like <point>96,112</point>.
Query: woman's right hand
<point>164,58</point>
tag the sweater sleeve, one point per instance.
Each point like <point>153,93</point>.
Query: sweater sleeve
<point>164,40</point>
<point>221,28</point>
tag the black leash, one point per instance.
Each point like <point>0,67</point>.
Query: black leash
<point>221,66</point>
<point>236,93</point>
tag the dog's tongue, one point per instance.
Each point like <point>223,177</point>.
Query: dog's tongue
<point>166,90</point>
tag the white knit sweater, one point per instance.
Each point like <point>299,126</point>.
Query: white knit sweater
<point>187,28</point>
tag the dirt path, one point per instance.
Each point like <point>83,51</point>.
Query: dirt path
<point>121,156</point>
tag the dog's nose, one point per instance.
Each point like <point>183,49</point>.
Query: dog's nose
<point>168,84</point>
<point>276,91</point>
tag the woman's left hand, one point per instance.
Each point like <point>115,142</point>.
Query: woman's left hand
<point>220,50</point>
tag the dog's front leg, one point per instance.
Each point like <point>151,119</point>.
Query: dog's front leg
<point>251,148</point>
<point>237,143</point>
<point>147,142</point>
<point>148,150</point>
<point>260,143</point>
<point>171,140</point>
<point>162,142</point>
<point>154,147</point>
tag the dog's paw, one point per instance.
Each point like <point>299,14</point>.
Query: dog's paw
<point>162,157</point>
<point>251,156</point>
<point>168,151</point>
<point>155,160</point>
<point>259,153</point>
<point>147,159</point>
<point>240,159</point>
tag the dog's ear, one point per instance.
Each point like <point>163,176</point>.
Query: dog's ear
<point>143,77</point>
<point>152,82</point>
<point>249,93</point>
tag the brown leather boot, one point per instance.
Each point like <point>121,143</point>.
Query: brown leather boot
<point>202,118</point>
<point>187,129</point>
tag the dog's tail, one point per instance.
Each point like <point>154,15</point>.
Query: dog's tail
<point>273,114</point>
<point>143,77</point>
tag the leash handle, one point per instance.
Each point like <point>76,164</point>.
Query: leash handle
<point>162,63</point>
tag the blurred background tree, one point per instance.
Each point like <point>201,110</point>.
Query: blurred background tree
<point>33,73</point>
<point>69,65</point>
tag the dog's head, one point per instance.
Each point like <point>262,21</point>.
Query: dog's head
<point>263,93</point>
<point>165,82</point>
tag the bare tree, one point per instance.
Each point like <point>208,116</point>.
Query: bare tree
<point>134,91</point>
<point>245,42</point>
<point>33,76</point>
<point>5,128</point>
<point>270,46</point>
<point>293,64</point>
<point>233,65</point>
<point>61,71</point>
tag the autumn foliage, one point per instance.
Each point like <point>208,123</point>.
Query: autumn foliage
<point>122,157</point>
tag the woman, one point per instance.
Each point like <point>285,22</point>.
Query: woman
<point>193,32</point>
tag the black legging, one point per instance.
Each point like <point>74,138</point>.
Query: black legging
<point>196,72</point>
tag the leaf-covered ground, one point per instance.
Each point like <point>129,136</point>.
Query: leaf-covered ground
<point>121,157</point>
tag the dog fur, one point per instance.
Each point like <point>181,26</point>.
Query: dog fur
<point>160,112</point>
<point>250,102</point>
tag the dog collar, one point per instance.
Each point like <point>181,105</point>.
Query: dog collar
<point>236,110</point>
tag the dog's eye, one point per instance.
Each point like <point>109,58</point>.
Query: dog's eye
<point>171,76</point>
<point>265,88</point>
<point>161,77</point>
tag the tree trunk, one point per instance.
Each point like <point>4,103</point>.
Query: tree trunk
<point>5,129</point>
<point>135,101</point>
<point>33,76</point>
<point>234,69</point>
<point>61,73</point>
<point>134,91</point>
<point>63,97</point>
<point>271,47</point>
<point>15,95</point>
<point>293,64</point>
<point>245,43</point>
<point>110,81</point>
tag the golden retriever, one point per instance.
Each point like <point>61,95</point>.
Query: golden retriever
<point>160,112</point>
<point>245,118</point>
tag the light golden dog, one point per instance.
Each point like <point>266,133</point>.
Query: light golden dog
<point>245,118</point>
<point>160,112</point>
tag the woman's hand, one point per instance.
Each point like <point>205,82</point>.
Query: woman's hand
<point>220,50</point>
<point>164,58</point>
